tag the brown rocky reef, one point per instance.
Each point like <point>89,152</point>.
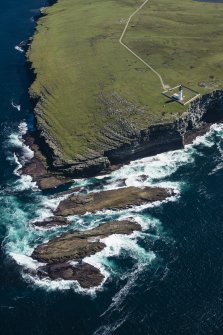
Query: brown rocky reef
<point>87,275</point>
<point>75,246</point>
<point>113,199</point>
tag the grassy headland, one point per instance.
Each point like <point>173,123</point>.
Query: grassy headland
<point>90,83</point>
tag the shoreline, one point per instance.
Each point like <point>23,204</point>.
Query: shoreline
<point>160,138</point>
<point>156,138</point>
<point>50,170</point>
<point>64,270</point>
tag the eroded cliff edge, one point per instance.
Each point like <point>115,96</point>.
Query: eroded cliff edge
<point>96,105</point>
<point>121,147</point>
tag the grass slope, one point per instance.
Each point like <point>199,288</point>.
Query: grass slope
<point>89,80</point>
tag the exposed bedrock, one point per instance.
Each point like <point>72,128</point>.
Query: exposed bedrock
<point>52,222</point>
<point>87,275</point>
<point>78,245</point>
<point>62,252</point>
<point>38,168</point>
<point>129,143</point>
<point>201,115</point>
<point>113,199</point>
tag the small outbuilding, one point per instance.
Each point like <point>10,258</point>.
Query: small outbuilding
<point>181,94</point>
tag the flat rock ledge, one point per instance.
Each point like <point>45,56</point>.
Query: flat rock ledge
<point>113,199</point>
<point>60,252</point>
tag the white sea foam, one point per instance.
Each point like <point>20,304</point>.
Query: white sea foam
<point>151,171</point>
<point>145,222</point>
<point>18,165</point>
<point>18,48</point>
<point>54,285</point>
<point>16,106</point>
<point>124,291</point>
<point>25,261</point>
<point>16,143</point>
<point>47,207</point>
<point>116,245</point>
<point>25,182</point>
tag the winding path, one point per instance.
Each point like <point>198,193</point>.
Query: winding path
<point>132,52</point>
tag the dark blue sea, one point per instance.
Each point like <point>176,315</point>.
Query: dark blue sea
<point>165,280</point>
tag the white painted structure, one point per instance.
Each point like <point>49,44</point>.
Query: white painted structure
<point>180,93</point>
<point>178,96</point>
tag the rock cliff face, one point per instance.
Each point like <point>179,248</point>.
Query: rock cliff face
<point>131,143</point>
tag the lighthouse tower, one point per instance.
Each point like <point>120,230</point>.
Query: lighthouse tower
<point>180,93</point>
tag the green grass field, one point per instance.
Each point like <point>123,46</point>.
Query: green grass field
<point>89,80</point>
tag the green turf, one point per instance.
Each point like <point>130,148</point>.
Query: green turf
<point>81,66</point>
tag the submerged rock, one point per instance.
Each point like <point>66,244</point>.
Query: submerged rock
<point>52,222</point>
<point>112,199</point>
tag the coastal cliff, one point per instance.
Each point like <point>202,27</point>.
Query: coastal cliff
<point>95,109</point>
<point>130,144</point>
<point>96,105</point>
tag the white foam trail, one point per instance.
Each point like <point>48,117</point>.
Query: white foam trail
<point>121,295</point>
<point>111,327</point>
<point>47,207</point>
<point>18,167</point>
<point>145,222</point>
<point>18,48</point>
<point>25,182</point>
<point>152,170</point>
<point>61,285</point>
<point>26,261</point>
<point>18,107</point>
<point>16,142</point>
<point>219,167</point>
<point>117,244</point>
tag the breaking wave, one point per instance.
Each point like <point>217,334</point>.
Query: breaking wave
<point>16,106</point>
<point>25,205</point>
<point>18,48</point>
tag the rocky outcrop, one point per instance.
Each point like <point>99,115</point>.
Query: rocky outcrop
<point>38,168</point>
<point>60,251</point>
<point>87,275</point>
<point>78,245</point>
<point>205,111</point>
<point>52,222</point>
<point>113,199</point>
